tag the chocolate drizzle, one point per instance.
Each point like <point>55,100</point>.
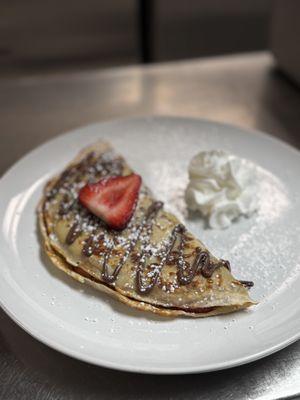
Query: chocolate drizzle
<point>153,209</point>
<point>69,173</point>
<point>88,166</point>
<point>73,233</point>
<point>89,246</point>
<point>154,267</point>
<point>148,270</point>
<point>247,284</point>
<point>185,271</point>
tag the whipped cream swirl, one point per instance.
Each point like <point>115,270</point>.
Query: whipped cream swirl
<point>222,187</point>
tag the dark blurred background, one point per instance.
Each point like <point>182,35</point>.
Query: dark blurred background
<point>43,34</point>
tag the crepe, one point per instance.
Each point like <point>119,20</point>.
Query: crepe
<point>154,264</point>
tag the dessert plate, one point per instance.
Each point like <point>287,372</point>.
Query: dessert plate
<point>90,326</point>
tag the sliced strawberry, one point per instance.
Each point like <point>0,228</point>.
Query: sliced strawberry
<point>112,199</point>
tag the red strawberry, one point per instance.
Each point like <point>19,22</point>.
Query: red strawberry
<point>112,199</point>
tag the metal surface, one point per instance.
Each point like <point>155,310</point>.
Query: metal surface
<point>242,90</point>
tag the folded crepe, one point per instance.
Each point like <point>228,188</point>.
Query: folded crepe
<point>154,264</point>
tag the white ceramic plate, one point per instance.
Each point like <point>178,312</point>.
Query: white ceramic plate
<point>90,326</point>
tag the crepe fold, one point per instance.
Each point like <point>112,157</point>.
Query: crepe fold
<point>155,264</point>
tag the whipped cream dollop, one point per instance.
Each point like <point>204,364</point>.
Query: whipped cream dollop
<point>222,187</point>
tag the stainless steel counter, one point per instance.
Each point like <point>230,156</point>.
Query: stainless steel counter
<point>244,90</point>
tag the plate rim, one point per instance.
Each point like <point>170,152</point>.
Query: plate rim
<point>130,367</point>
<point>150,370</point>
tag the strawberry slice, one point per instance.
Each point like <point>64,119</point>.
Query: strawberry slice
<point>112,199</point>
